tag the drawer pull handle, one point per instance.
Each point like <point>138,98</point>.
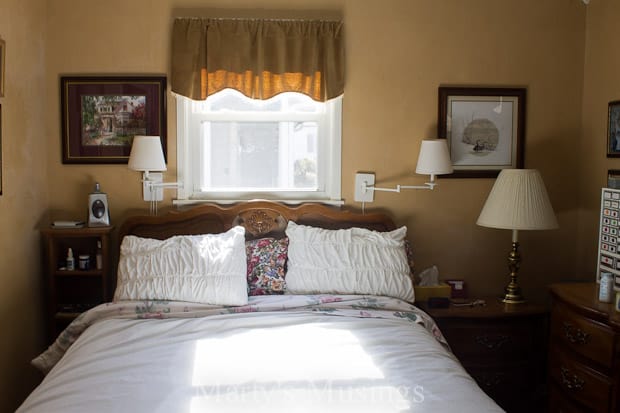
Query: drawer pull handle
<point>570,380</point>
<point>574,334</point>
<point>492,342</point>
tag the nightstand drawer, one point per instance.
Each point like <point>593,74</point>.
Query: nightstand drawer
<point>579,382</point>
<point>582,335</point>
<point>502,382</point>
<point>502,347</point>
<point>558,403</point>
<point>502,379</point>
<point>492,342</point>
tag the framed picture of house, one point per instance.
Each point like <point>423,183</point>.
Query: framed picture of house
<point>484,129</point>
<point>101,115</point>
<point>2,54</point>
<point>613,129</point>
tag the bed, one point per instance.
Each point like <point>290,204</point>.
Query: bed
<point>312,326</point>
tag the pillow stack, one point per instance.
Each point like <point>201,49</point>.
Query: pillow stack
<point>223,269</point>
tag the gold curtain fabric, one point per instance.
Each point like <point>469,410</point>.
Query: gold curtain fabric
<point>259,58</point>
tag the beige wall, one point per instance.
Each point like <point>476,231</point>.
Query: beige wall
<point>601,85</point>
<point>24,195</point>
<point>398,53</point>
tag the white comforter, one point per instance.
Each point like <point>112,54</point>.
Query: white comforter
<point>277,354</point>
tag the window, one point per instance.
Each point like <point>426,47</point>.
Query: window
<point>231,147</point>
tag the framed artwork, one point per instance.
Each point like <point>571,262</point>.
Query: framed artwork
<point>0,149</point>
<point>101,115</point>
<point>613,129</point>
<point>2,54</point>
<point>484,129</point>
<point>613,178</point>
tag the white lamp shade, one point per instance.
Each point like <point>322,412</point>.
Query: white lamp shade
<point>147,154</point>
<point>518,200</point>
<point>434,158</point>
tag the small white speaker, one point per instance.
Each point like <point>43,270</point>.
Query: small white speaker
<point>98,210</point>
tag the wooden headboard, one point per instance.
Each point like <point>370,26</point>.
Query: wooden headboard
<point>260,219</point>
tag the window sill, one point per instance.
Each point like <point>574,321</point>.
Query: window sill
<point>182,202</point>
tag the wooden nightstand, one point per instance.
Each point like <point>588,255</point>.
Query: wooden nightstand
<point>584,351</point>
<point>70,292</point>
<point>503,347</point>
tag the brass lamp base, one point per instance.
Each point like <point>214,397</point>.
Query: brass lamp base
<point>512,292</point>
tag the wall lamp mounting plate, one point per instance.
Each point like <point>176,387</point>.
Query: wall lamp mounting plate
<point>362,192</point>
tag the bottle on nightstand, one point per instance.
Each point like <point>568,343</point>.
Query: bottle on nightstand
<point>70,264</point>
<point>606,288</point>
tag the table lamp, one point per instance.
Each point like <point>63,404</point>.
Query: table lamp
<point>518,201</point>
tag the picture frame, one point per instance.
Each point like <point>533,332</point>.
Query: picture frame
<point>613,129</point>
<point>1,166</point>
<point>2,64</point>
<point>102,114</point>
<point>484,128</point>
<point>613,178</point>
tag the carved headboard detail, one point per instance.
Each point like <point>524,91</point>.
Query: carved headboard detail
<point>259,223</point>
<point>260,219</point>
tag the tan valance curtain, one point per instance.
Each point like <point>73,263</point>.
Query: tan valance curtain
<point>259,58</point>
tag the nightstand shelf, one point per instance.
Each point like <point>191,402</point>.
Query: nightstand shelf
<point>71,292</point>
<point>74,273</point>
<point>502,347</point>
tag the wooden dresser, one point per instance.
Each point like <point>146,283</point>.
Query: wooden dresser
<point>503,347</point>
<point>584,351</point>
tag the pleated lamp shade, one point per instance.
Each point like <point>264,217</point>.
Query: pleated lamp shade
<point>518,200</point>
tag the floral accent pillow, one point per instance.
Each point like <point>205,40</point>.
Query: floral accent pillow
<point>266,265</point>
<point>409,252</point>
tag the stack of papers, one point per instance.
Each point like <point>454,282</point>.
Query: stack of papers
<point>68,224</point>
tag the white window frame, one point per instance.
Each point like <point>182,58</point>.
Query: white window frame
<point>189,148</point>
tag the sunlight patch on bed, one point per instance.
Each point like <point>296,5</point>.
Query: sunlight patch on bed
<point>304,352</point>
<point>296,368</point>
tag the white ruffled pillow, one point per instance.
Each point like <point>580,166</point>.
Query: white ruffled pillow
<point>208,268</point>
<point>348,261</point>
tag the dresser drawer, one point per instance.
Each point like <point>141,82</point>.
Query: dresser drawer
<point>582,335</point>
<point>578,381</point>
<point>492,342</point>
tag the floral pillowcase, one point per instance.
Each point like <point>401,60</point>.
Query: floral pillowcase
<point>409,252</point>
<point>266,259</point>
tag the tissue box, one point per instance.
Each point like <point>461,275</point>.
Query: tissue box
<point>424,293</point>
